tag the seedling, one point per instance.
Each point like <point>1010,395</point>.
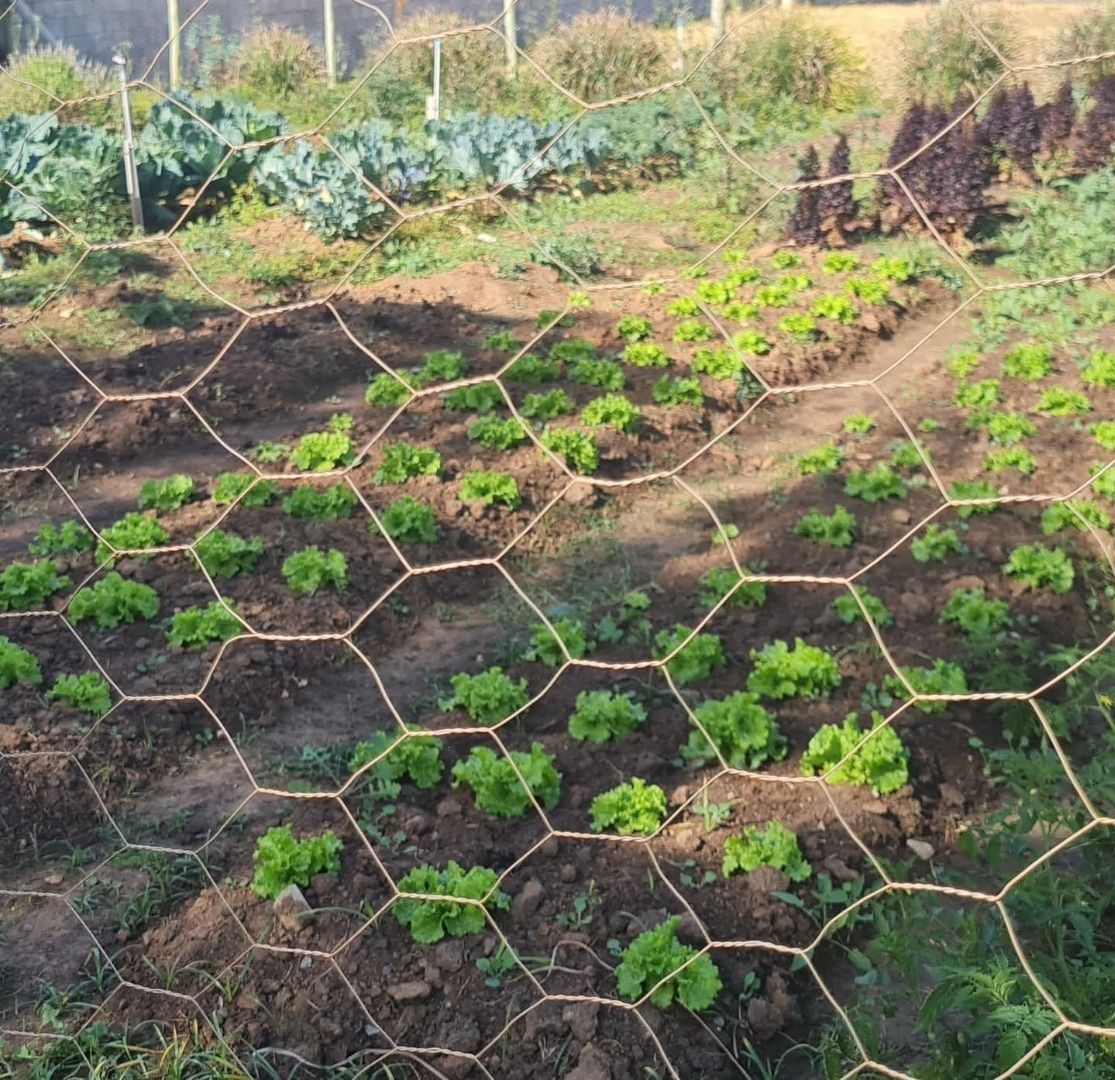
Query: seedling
<point>880,763</point>
<point>944,677</point>
<point>858,424</point>
<point>1041,567</point>
<point>876,485</point>
<point>281,860</point>
<point>936,543</point>
<point>603,715</point>
<point>68,538</point>
<point>493,433</point>
<point>723,581</point>
<point>17,666</point>
<point>678,391</point>
<point>112,601</point>
<point>693,330</point>
<point>133,532</point>
<point>27,586</point>
<point>646,354</point>
<point>634,808</point>
<point>822,461</point>
<point>1028,362</point>
<point>387,391</point>
<point>257,493</point>
<point>736,728</point>
<point>577,449</point>
<point>88,692</point>
<point>775,846</point>
<point>547,649</point>
<point>849,610</point>
<point>490,488</point>
<point>497,788</point>
<point>225,555</point>
<point>198,626</point>
<point>431,920</point>
<point>408,521</point>
<point>699,655</point>
<point>403,461</point>
<point>974,614</point>
<point>488,697</point>
<point>163,496</point>
<point>837,529</point>
<point>311,569</point>
<point>658,964</point>
<point>803,671</point>
<point>613,409</point>
<point>533,370</point>
<point>320,504</point>
<point>634,328</point>
<point>322,451</point>
<point>547,406</point>
<point>476,398</point>
<point>606,374</point>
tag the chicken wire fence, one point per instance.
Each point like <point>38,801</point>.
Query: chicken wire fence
<point>412,1052</point>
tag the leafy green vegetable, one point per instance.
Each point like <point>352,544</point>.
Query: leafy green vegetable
<point>600,715</point>
<point>87,692</point>
<point>439,367</point>
<point>1014,458</point>
<point>799,326</point>
<point>548,406</point>
<point>496,787</point>
<point>680,390</point>
<point>502,341</point>
<point>721,363</point>
<point>387,391</point>
<point>408,521</point>
<point>225,555</point>
<point>646,354</point>
<point>775,846</point>
<point>944,677</point>
<point>725,581</point>
<point>738,726</point>
<point>1067,515</point>
<point>198,626</point>
<point>320,504</point>
<point>881,763</point>
<point>490,488</point>
<point>634,808</point>
<point>478,398</point>
<point>162,496</point>
<point>850,611</point>
<point>1100,370</point>
<point>133,532</point>
<point>417,757</point>
<point>403,461</point>
<point>495,434</point>
<point>322,451</point>
<point>1103,433</point>
<point>545,647</point>
<point>112,601</point>
<point>978,395</point>
<point>68,538</point>
<point>280,860</point>
<point>974,489</point>
<point>858,424</point>
<point>880,483</point>
<point>1041,567</point>
<point>972,612</point>
<point>577,448</point>
<point>613,409</point>
<point>658,964</point>
<point>838,308</point>
<point>837,529</point>
<point>1009,429</point>
<point>26,586</point>
<point>431,920</point>
<point>822,461</point>
<point>17,665</point>
<point>1029,361</point>
<point>803,671</point>
<point>533,370</point>
<point>1058,401</point>
<point>311,569</point>
<point>699,656</point>
<point>752,343</point>
<point>633,328</point>
<point>488,697</point>
<point>693,330</point>
<point>229,487</point>
<point>606,374</point>
<point>936,544</point>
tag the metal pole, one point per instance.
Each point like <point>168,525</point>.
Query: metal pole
<point>131,175</point>
<point>716,14</point>
<point>681,41</point>
<point>510,32</point>
<point>329,18</point>
<point>437,78</point>
<point>174,32</point>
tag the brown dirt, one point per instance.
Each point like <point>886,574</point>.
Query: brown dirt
<point>176,774</point>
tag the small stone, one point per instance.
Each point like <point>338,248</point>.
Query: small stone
<point>321,885</point>
<point>581,1020</point>
<point>526,903</point>
<point>568,874</point>
<point>921,849</point>
<point>689,931</point>
<point>450,956</point>
<point>402,992</point>
<point>292,909</point>
<point>449,808</point>
<point>53,879</point>
<point>900,515</point>
<point>417,824</point>
<point>839,869</point>
<point>592,1064</point>
<point>950,794</point>
<point>550,848</point>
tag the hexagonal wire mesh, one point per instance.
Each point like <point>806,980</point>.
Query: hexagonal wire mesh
<point>156,799</point>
